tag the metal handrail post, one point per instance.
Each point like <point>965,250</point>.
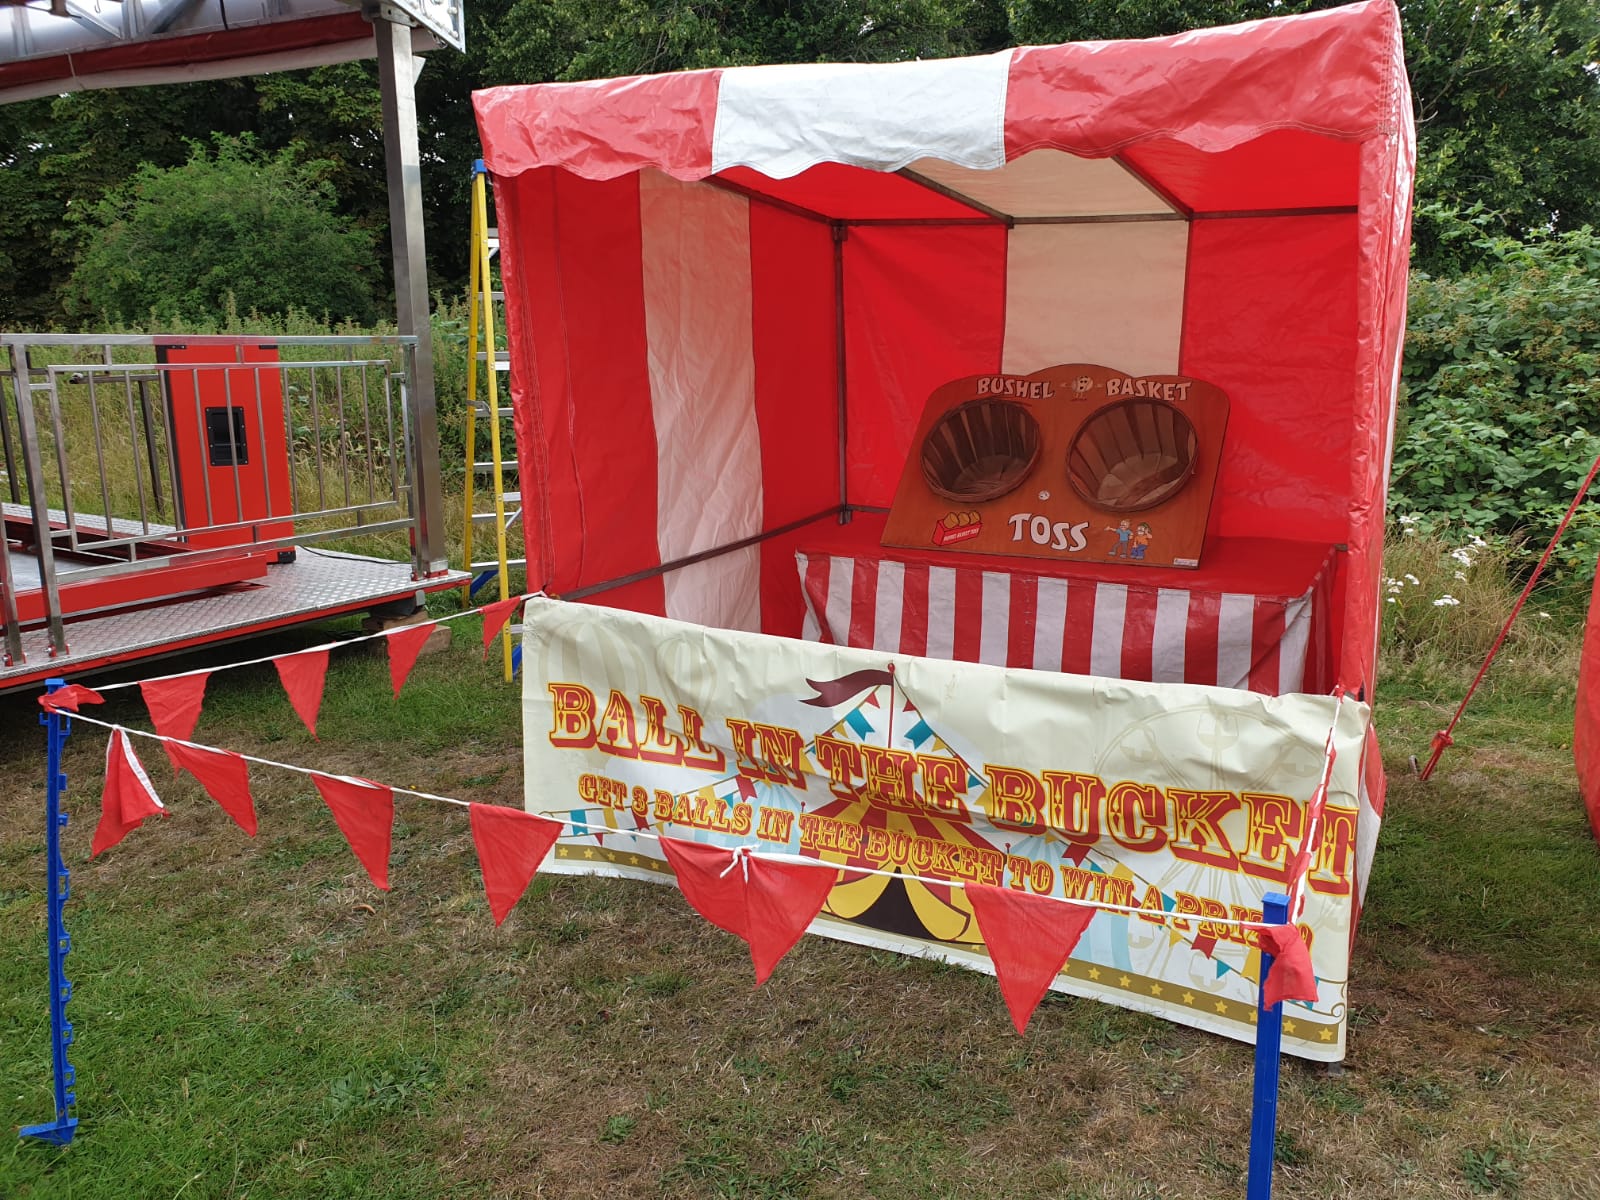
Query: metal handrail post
<point>10,610</point>
<point>7,458</point>
<point>408,434</point>
<point>396,85</point>
<point>58,881</point>
<point>39,502</point>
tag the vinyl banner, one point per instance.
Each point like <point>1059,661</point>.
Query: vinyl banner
<point>1160,798</point>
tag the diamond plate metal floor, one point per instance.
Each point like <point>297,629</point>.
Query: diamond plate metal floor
<point>91,522</point>
<point>318,584</point>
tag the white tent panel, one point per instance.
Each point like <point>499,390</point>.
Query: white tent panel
<point>781,120</point>
<point>1095,292</point>
<point>697,308</point>
<point>1050,183</point>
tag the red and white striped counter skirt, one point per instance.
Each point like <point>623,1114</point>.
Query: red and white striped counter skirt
<point>1265,631</point>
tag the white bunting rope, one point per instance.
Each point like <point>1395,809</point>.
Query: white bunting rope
<point>252,662</point>
<point>585,829</point>
<point>266,762</point>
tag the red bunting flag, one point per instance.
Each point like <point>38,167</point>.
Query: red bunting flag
<point>128,797</point>
<point>1299,865</point>
<point>768,904</point>
<point>365,813</point>
<point>495,617</point>
<point>782,900</point>
<point>1030,939</point>
<point>302,676</point>
<point>511,844</point>
<point>405,643</point>
<point>174,703</point>
<point>174,706</point>
<point>67,699</point>
<point>712,890</point>
<point>224,776</point>
<point>1290,977</point>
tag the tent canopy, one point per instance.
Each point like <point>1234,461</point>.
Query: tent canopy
<point>731,292</point>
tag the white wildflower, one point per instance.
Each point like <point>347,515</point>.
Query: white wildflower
<point>1446,601</point>
<point>1462,575</point>
<point>1461,556</point>
<point>1478,543</point>
<point>1392,600</point>
<point>1544,616</point>
<point>1415,582</point>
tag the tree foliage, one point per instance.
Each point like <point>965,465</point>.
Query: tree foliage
<point>1502,377</point>
<point>588,39</point>
<point>263,229</point>
<point>1508,119</point>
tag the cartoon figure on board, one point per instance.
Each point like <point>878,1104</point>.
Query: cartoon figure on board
<point>1141,539</point>
<point>1124,545</point>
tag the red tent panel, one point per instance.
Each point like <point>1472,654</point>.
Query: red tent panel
<point>1286,168</point>
<point>1586,726</point>
<point>922,306</point>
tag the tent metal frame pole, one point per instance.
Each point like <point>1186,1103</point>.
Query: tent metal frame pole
<point>1248,214</point>
<point>1154,188</point>
<point>397,72</point>
<point>913,222</point>
<point>1104,219</point>
<point>950,193</point>
<point>842,385</point>
<point>689,560</point>
<point>992,217</point>
<point>749,193</point>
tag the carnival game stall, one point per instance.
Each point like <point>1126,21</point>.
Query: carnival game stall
<point>975,470</point>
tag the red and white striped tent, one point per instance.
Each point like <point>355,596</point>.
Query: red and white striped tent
<point>730,292</point>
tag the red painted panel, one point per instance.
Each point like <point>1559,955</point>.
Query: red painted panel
<point>212,490</point>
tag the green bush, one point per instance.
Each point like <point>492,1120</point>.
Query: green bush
<point>233,221</point>
<point>1501,414</point>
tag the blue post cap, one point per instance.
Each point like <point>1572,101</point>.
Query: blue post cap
<point>478,168</point>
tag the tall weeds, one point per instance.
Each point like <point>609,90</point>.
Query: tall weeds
<point>1445,602</point>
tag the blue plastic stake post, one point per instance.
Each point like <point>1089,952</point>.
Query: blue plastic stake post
<point>58,883</point>
<point>1269,1041</point>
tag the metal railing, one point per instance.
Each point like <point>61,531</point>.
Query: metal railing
<point>121,453</point>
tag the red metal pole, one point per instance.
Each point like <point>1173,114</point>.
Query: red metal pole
<point>1442,739</point>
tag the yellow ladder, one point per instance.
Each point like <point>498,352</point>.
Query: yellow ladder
<point>485,365</point>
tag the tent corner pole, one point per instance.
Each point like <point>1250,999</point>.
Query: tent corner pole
<point>840,232</point>
<point>403,167</point>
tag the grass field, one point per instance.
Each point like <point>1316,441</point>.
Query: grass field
<point>254,1019</point>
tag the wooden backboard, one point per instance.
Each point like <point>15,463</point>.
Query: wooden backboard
<point>1078,461</point>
